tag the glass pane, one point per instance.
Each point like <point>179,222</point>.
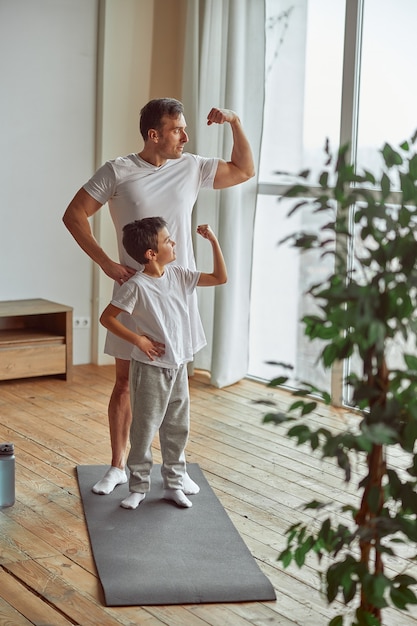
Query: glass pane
<point>280,279</point>
<point>388,91</point>
<point>304,58</point>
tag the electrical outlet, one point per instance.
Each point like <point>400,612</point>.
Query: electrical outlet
<point>81,322</point>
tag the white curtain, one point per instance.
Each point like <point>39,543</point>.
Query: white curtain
<point>224,67</point>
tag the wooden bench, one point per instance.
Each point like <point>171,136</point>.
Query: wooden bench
<point>35,339</point>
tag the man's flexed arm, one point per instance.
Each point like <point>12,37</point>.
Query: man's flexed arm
<point>219,273</point>
<point>75,218</point>
<point>240,167</point>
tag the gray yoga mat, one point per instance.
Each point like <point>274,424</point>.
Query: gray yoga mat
<point>160,553</point>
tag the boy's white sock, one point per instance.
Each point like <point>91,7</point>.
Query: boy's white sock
<point>190,488</point>
<point>178,496</point>
<point>133,500</point>
<point>113,477</point>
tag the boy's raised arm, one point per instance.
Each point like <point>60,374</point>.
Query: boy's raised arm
<point>219,274</point>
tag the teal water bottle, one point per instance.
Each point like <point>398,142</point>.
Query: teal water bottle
<point>7,475</point>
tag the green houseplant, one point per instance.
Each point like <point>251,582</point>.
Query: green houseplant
<point>361,309</point>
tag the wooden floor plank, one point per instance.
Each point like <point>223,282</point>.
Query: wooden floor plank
<point>10,617</point>
<point>47,572</point>
<point>32,606</point>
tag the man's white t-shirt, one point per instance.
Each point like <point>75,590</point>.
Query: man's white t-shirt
<point>159,307</point>
<point>135,189</point>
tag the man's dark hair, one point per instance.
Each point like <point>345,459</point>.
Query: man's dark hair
<point>152,113</point>
<point>142,235</point>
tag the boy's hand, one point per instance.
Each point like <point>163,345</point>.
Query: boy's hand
<point>205,231</point>
<point>151,348</point>
<point>219,274</point>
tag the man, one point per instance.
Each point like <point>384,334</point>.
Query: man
<point>162,180</point>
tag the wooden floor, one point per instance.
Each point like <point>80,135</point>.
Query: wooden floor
<point>47,573</point>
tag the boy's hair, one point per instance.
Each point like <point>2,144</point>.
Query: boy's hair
<point>142,235</point>
<point>152,113</point>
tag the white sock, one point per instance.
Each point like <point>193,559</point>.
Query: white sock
<point>133,500</point>
<point>178,496</point>
<point>190,488</point>
<point>113,477</point>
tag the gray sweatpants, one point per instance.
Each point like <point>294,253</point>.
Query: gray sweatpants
<point>160,401</point>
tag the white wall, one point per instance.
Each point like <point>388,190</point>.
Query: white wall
<point>47,112</point>
<point>61,61</point>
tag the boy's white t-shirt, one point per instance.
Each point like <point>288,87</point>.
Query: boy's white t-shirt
<point>159,307</point>
<point>135,189</point>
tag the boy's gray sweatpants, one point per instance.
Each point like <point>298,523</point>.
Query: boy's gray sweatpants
<point>160,401</point>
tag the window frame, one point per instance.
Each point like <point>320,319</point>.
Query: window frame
<point>354,10</point>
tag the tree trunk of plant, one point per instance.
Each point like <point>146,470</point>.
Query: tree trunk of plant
<point>365,518</point>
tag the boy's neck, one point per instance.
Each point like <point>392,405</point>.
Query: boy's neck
<point>154,269</point>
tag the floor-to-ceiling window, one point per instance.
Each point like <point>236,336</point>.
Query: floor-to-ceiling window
<point>340,70</point>
<point>302,107</point>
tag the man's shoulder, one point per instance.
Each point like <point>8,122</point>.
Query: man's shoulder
<point>195,158</point>
<point>188,159</point>
<point>128,161</point>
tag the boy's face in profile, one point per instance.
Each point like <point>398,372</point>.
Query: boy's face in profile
<point>166,247</point>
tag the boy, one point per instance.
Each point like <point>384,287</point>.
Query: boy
<point>157,299</point>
